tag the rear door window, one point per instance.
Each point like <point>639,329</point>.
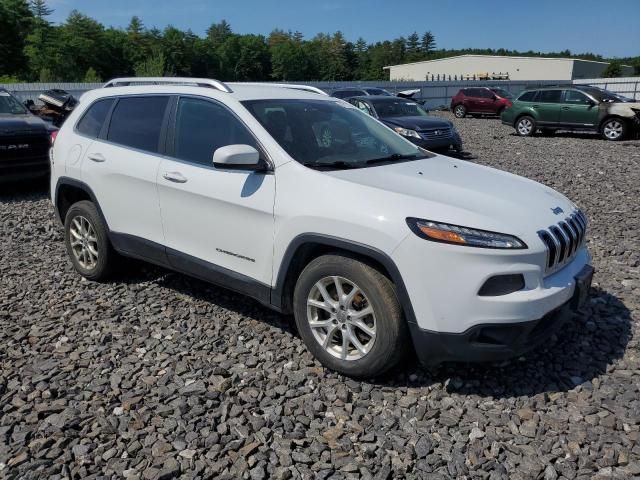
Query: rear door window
<point>550,96</point>
<point>91,122</point>
<point>137,121</point>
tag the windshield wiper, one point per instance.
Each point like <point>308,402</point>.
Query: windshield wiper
<point>339,164</point>
<point>393,157</point>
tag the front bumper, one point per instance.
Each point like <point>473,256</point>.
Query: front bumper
<point>450,141</point>
<point>492,342</point>
<point>487,342</point>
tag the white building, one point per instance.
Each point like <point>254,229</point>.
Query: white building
<point>500,68</point>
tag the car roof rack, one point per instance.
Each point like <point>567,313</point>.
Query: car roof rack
<point>198,82</point>
<point>292,86</point>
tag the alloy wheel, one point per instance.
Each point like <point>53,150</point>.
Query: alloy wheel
<point>525,126</point>
<point>84,242</point>
<point>341,318</point>
<point>613,129</point>
<point>459,111</point>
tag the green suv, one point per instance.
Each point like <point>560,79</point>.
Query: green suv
<point>573,108</point>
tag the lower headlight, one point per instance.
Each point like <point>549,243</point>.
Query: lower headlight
<point>405,132</point>
<point>457,235</point>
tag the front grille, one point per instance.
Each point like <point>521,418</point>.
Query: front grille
<point>563,240</point>
<point>436,133</point>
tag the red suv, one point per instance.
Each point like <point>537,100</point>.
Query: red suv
<point>480,101</point>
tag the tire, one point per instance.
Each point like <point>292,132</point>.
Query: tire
<point>460,111</point>
<point>614,129</point>
<point>93,259</point>
<point>373,291</point>
<point>525,126</point>
<point>547,132</point>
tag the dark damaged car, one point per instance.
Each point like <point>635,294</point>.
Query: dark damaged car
<point>583,108</point>
<point>24,141</point>
<point>412,121</point>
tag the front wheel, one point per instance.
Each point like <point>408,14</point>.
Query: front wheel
<point>614,129</point>
<point>348,315</point>
<point>460,111</point>
<point>526,126</point>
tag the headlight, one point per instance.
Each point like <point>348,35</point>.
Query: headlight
<point>457,235</point>
<point>405,132</point>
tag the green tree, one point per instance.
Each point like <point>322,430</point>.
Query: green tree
<point>154,66</point>
<point>217,33</point>
<point>81,42</point>
<point>428,43</point>
<point>91,76</point>
<point>413,45</point>
<point>40,43</point>
<point>289,59</point>
<point>15,22</point>
<point>614,69</point>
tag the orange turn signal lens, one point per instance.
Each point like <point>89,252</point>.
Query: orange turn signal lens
<point>441,235</point>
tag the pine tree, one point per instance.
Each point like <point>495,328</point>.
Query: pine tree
<point>428,43</point>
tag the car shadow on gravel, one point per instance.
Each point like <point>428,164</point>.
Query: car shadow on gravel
<point>138,272</point>
<point>580,351</point>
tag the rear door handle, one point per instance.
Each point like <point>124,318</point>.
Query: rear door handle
<point>96,157</point>
<point>565,108</point>
<point>176,177</point>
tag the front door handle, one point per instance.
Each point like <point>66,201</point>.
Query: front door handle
<point>96,157</point>
<point>565,108</point>
<point>176,177</point>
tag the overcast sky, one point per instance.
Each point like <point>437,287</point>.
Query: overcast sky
<point>611,29</point>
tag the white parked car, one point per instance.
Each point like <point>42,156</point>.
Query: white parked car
<point>312,207</point>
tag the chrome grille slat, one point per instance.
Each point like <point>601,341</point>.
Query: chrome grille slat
<point>563,240</point>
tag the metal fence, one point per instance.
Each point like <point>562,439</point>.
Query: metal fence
<point>435,94</point>
<point>626,86</point>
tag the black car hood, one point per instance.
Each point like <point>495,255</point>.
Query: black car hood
<point>22,124</point>
<point>416,123</point>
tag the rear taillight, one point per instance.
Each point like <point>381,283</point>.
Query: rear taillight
<point>54,134</point>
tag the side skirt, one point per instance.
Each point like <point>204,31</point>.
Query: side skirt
<point>139,248</point>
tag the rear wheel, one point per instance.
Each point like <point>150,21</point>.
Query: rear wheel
<point>525,126</point>
<point>614,129</point>
<point>349,317</point>
<point>87,241</point>
<point>460,111</point>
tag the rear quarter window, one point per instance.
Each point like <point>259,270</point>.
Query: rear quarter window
<point>91,122</point>
<point>527,96</point>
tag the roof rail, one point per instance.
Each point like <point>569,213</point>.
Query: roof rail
<point>199,82</point>
<point>292,86</point>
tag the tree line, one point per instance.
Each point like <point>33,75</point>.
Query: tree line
<point>82,49</point>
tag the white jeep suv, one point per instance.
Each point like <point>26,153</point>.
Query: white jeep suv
<point>312,207</point>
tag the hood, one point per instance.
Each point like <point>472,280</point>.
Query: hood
<point>463,193</point>
<point>417,123</point>
<point>22,124</point>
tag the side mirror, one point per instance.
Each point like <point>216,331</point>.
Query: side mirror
<point>238,157</point>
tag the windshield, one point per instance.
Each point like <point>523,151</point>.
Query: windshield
<point>320,133</point>
<point>398,108</point>
<point>501,92</point>
<point>11,106</point>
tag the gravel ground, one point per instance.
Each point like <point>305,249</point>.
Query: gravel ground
<point>157,375</point>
